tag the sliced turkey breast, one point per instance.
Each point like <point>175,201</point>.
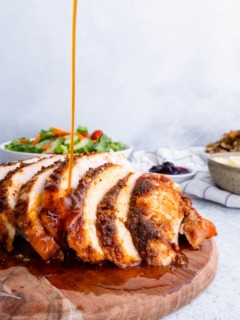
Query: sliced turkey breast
<point>9,191</point>
<point>5,168</point>
<point>54,201</point>
<point>27,210</point>
<point>156,212</point>
<point>196,228</point>
<point>159,212</point>
<point>83,202</point>
<point>112,214</point>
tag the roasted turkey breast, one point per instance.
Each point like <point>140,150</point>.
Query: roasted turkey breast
<point>27,214</point>
<point>9,190</point>
<point>80,226</point>
<point>5,168</point>
<point>196,228</point>
<point>112,211</point>
<point>112,215</point>
<point>55,203</point>
<point>156,211</point>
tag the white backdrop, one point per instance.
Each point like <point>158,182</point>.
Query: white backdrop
<point>149,72</point>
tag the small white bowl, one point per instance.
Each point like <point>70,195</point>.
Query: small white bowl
<point>225,176</point>
<point>182,177</point>
<point>9,156</point>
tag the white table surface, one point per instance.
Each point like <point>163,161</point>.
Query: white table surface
<point>221,300</point>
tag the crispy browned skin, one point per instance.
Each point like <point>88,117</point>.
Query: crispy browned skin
<point>54,210</point>
<point>81,225</point>
<point>112,207</point>
<point>5,168</point>
<point>109,220</point>
<point>7,221</point>
<point>106,227</point>
<point>196,228</point>
<point>156,211</point>
<point>10,188</point>
<point>27,216</point>
<point>55,200</point>
<point>74,224</point>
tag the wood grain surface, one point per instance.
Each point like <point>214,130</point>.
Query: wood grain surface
<point>93,294</point>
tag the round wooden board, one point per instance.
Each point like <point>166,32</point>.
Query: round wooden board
<point>23,295</point>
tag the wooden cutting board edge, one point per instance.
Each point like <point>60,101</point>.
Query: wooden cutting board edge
<point>154,307</point>
<point>41,300</point>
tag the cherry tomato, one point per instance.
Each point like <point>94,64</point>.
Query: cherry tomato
<point>96,134</point>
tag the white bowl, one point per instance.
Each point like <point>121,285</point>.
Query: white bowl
<point>225,176</point>
<point>182,177</point>
<point>9,156</point>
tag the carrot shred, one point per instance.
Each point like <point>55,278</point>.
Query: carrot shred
<point>23,140</point>
<point>35,141</point>
<point>57,134</point>
<point>60,132</point>
<point>79,135</point>
<point>46,146</point>
<point>57,131</point>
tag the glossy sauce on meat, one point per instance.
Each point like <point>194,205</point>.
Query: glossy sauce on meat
<point>83,277</point>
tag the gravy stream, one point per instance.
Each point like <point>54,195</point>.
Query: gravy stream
<point>74,20</point>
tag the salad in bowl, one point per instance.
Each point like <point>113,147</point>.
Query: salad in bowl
<point>57,141</point>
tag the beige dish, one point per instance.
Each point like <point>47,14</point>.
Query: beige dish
<point>225,176</point>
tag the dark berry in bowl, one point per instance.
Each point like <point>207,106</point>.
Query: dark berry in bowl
<point>156,169</point>
<point>169,168</point>
<point>183,170</point>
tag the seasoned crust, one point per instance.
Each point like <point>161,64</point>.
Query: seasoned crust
<point>7,221</point>
<point>157,211</point>
<point>53,182</point>
<point>155,215</point>
<point>77,197</point>
<point>196,228</point>
<point>115,238</point>
<point>75,221</point>
<point>10,188</point>
<point>4,187</point>
<point>28,220</point>
<point>53,205</point>
<point>55,202</point>
<point>81,226</point>
<point>7,164</point>
<point>106,227</point>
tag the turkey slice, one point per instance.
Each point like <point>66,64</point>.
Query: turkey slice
<point>27,214</point>
<point>9,190</point>
<point>112,214</point>
<point>5,168</point>
<point>157,209</point>
<point>83,202</point>
<point>54,201</point>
